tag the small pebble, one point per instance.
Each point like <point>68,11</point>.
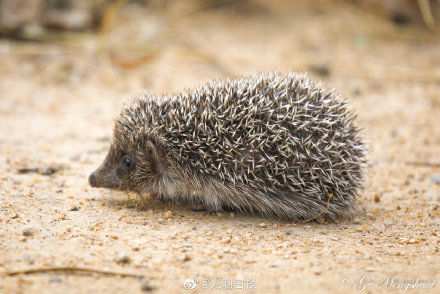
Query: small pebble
<point>55,279</point>
<point>263,225</point>
<point>403,241</point>
<point>317,271</point>
<point>28,260</point>
<point>376,198</point>
<point>15,216</point>
<point>168,214</point>
<point>185,257</point>
<point>435,179</point>
<point>288,232</point>
<point>124,259</point>
<point>29,232</point>
<point>370,216</point>
<point>146,288</point>
<point>61,183</point>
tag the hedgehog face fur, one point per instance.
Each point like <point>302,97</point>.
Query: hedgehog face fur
<point>273,144</point>
<point>131,162</point>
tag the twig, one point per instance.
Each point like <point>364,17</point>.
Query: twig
<point>328,205</point>
<point>423,163</point>
<point>77,270</point>
<point>425,10</point>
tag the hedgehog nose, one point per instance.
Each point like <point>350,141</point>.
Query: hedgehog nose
<point>93,180</point>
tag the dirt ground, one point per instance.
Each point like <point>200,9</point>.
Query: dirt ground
<point>57,105</point>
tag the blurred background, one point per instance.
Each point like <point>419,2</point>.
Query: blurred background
<point>144,41</point>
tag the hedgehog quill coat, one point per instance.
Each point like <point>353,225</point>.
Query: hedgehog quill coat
<point>272,144</point>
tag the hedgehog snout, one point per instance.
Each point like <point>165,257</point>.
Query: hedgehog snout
<point>106,179</point>
<point>96,180</point>
<point>93,180</point>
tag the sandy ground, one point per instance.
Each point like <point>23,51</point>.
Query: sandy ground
<point>57,104</point>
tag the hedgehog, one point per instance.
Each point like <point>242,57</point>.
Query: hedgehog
<point>271,144</point>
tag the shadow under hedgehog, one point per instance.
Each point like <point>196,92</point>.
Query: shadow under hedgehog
<point>271,144</point>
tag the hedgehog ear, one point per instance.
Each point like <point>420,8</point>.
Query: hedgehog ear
<point>155,157</point>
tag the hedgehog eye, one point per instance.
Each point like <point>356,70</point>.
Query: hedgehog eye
<point>127,161</point>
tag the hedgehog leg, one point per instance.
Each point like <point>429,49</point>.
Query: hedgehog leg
<point>198,207</point>
<point>198,204</point>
